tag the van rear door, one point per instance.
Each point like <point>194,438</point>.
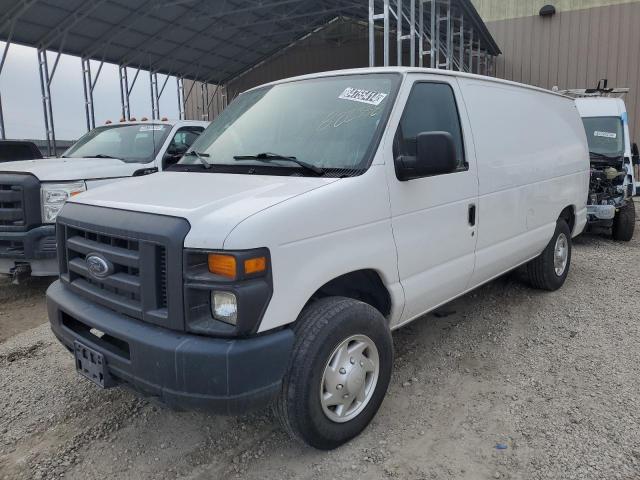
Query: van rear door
<point>434,218</point>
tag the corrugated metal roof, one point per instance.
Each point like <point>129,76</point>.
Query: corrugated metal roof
<point>211,41</point>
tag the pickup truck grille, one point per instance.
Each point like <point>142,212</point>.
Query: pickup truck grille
<point>141,281</point>
<point>11,205</point>
<point>19,202</point>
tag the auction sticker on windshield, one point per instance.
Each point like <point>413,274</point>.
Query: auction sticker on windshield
<point>605,134</point>
<point>363,96</point>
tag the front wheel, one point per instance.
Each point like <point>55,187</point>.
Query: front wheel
<point>624,222</point>
<point>549,270</point>
<point>339,372</point>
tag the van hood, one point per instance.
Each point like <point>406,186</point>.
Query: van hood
<point>66,169</point>
<point>214,202</point>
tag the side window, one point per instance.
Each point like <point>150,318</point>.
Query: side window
<point>180,143</point>
<point>184,137</point>
<point>431,108</point>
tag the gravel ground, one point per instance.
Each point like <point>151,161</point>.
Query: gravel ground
<point>552,377</point>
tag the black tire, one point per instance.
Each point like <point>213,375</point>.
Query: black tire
<point>320,329</point>
<point>541,270</point>
<point>624,222</point>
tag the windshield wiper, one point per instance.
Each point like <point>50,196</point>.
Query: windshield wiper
<point>269,157</point>
<point>101,155</point>
<point>200,156</point>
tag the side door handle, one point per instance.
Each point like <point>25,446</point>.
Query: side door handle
<point>472,214</point>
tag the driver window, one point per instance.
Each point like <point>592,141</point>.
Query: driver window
<point>431,107</point>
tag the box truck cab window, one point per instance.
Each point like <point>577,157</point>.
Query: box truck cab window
<point>129,143</point>
<point>605,135</point>
<point>331,123</point>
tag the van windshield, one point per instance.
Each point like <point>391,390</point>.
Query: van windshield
<point>605,135</point>
<point>130,143</point>
<point>325,126</point>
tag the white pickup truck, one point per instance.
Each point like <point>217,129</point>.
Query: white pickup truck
<point>311,218</point>
<point>32,192</point>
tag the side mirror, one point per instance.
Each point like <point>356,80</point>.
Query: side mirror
<point>177,150</point>
<point>435,155</point>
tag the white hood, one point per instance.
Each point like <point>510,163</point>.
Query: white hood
<point>214,202</point>
<point>66,169</point>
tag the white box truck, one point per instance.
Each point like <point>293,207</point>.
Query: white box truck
<point>32,192</point>
<point>314,216</point>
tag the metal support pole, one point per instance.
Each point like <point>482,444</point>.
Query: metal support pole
<point>45,88</point>
<point>478,56</point>
<point>155,109</point>
<point>124,92</point>
<point>461,40</point>
<point>471,51</point>
<point>372,35</point>
<point>412,32</point>
<point>399,32</point>
<point>203,100</point>
<point>386,28</point>
<point>181,101</point>
<point>421,33</point>
<point>449,65</point>
<point>433,42</point>
<point>87,83</point>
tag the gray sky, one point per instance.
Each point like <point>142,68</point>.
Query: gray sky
<point>22,99</point>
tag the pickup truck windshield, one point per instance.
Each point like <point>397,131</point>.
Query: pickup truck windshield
<point>321,126</point>
<point>605,135</point>
<point>130,143</point>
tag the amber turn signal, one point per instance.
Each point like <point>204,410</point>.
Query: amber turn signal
<point>224,265</point>
<point>255,265</point>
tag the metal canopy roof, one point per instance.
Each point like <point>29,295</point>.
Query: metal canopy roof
<point>211,41</point>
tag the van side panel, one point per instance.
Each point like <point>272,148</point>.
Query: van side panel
<point>532,163</point>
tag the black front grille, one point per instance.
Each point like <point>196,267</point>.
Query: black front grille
<point>122,289</point>
<point>143,251</point>
<point>19,202</point>
<point>11,205</point>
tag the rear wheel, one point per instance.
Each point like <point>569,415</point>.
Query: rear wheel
<point>339,372</point>
<point>549,270</point>
<point>624,222</point>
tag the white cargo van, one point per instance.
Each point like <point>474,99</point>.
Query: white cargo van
<point>32,192</point>
<point>612,184</point>
<point>314,216</point>
<point>613,181</point>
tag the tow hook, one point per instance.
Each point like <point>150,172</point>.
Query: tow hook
<point>19,273</point>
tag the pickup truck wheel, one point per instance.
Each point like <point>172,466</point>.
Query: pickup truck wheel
<point>339,372</point>
<point>549,270</point>
<point>624,222</point>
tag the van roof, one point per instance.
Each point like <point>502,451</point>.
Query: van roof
<point>407,70</point>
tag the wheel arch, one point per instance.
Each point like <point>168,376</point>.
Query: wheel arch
<point>364,284</point>
<point>569,215</point>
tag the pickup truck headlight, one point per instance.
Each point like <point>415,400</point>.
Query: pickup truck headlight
<point>224,307</point>
<point>53,196</point>
<point>226,293</point>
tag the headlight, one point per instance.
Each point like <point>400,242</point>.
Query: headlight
<point>54,195</point>
<point>226,293</point>
<point>224,307</point>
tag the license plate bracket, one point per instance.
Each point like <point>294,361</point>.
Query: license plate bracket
<point>91,364</point>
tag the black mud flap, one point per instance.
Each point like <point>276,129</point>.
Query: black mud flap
<point>92,365</point>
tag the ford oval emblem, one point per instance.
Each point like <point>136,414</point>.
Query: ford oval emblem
<point>98,266</point>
